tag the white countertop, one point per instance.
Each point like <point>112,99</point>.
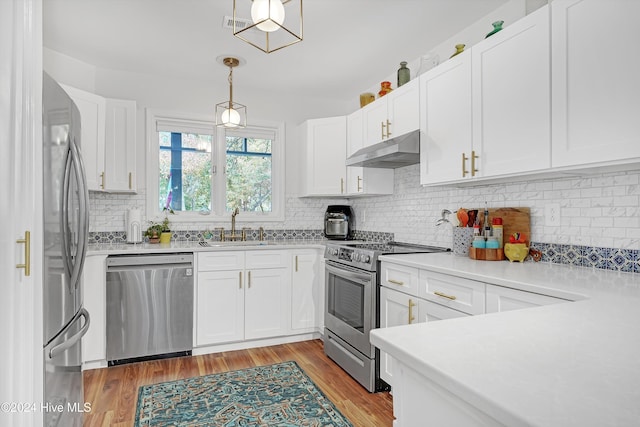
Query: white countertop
<point>568,364</point>
<point>191,246</point>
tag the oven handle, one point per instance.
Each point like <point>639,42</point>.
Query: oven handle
<point>363,278</point>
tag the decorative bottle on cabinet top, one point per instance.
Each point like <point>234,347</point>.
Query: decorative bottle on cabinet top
<point>497,26</point>
<point>403,74</point>
<point>459,50</point>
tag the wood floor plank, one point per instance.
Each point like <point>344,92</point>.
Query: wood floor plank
<point>113,392</point>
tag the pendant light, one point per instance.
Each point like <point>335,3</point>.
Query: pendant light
<point>230,114</point>
<point>268,25</point>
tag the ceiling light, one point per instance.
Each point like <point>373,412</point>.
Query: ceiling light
<point>276,24</point>
<point>231,114</point>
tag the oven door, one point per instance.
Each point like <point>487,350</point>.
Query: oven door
<point>350,305</point>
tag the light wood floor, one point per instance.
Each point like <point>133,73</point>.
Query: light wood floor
<point>113,392</point>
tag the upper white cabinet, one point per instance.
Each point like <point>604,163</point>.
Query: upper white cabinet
<point>324,149</point>
<point>445,121</point>
<point>92,121</point>
<point>120,146</point>
<point>392,115</point>
<point>486,112</point>
<point>511,98</point>
<point>596,90</point>
<point>361,181</point>
<point>108,141</point>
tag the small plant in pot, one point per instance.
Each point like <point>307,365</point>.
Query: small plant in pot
<point>160,231</point>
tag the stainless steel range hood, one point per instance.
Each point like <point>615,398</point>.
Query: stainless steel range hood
<point>394,153</point>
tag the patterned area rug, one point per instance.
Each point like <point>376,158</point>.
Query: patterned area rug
<point>275,395</point>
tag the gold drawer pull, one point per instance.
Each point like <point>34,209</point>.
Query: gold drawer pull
<point>464,165</point>
<point>411,316</point>
<point>396,282</point>
<point>27,253</point>
<point>440,294</point>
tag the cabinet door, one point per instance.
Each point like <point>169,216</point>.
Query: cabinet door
<point>396,308</point>
<point>504,299</point>
<point>399,277</point>
<point>219,307</point>
<point>445,121</point>
<point>94,298</point>
<point>511,98</point>
<point>324,154</point>
<point>267,304</point>
<point>92,120</point>
<point>304,288</point>
<point>375,121</point>
<point>120,145</point>
<point>596,90</point>
<point>403,109</point>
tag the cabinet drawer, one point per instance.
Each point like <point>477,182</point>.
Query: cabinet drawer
<point>219,261</point>
<point>461,294</point>
<point>267,259</point>
<point>400,277</point>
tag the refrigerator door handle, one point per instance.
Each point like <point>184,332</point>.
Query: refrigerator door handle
<point>62,347</point>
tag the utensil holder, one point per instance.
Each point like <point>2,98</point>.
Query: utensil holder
<point>462,238</point>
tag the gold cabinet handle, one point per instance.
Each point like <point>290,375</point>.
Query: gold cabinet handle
<point>130,181</point>
<point>396,282</point>
<point>440,294</point>
<point>382,130</point>
<point>411,316</point>
<point>27,253</point>
<point>102,180</point>
<point>240,279</point>
<point>359,181</point>
<point>464,165</point>
<point>341,185</point>
<point>249,280</point>
<point>388,128</point>
<point>296,263</point>
<point>473,163</point>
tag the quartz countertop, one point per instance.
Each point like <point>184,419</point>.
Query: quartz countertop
<point>194,246</point>
<point>569,364</point>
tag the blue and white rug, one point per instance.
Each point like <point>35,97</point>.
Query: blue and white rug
<point>275,395</point>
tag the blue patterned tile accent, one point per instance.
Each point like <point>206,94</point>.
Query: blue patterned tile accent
<point>615,259</point>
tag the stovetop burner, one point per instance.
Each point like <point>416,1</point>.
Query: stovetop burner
<point>364,255</point>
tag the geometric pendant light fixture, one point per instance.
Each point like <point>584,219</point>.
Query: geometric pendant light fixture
<point>268,25</point>
<point>231,114</point>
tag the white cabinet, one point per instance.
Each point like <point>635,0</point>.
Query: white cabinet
<point>511,98</point>
<point>92,139</point>
<point>395,114</point>
<point>596,90</point>
<point>500,298</point>
<point>94,281</point>
<point>323,155</point>
<point>304,290</point>
<point>486,112</point>
<point>454,292</point>
<point>241,295</point>
<point>120,146</point>
<point>361,180</point>
<point>445,121</point>
<point>108,141</point>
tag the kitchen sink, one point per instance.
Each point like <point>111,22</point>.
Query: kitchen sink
<point>227,244</point>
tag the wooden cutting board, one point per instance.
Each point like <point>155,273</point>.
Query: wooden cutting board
<point>514,220</point>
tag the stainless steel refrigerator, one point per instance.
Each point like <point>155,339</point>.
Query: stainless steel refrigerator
<point>66,226</point>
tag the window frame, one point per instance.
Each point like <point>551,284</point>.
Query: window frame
<point>218,161</point>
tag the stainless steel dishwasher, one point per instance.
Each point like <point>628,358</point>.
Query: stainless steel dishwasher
<point>149,307</point>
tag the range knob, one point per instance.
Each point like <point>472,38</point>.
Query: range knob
<point>366,258</point>
<point>332,251</point>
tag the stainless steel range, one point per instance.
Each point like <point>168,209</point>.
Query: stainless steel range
<point>351,305</point>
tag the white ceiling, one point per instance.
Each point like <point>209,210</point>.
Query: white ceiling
<point>347,43</point>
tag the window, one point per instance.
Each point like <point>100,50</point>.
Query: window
<point>203,173</point>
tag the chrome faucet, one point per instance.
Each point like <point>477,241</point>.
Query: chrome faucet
<point>234,236</point>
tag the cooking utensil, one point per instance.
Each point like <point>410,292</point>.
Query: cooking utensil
<point>473,214</point>
<point>463,217</point>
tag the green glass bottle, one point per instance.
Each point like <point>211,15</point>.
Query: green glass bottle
<point>403,74</point>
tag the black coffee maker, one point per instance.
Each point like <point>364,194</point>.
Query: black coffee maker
<point>339,222</point>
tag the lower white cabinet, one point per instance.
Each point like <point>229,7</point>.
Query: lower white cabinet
<point>304,290</point>
<point>241,295</point>
<point>94,282</point>
<point>454,292</point>
<point>500,298</point>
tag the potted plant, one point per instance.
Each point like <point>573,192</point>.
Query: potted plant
<point>160,231</point>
